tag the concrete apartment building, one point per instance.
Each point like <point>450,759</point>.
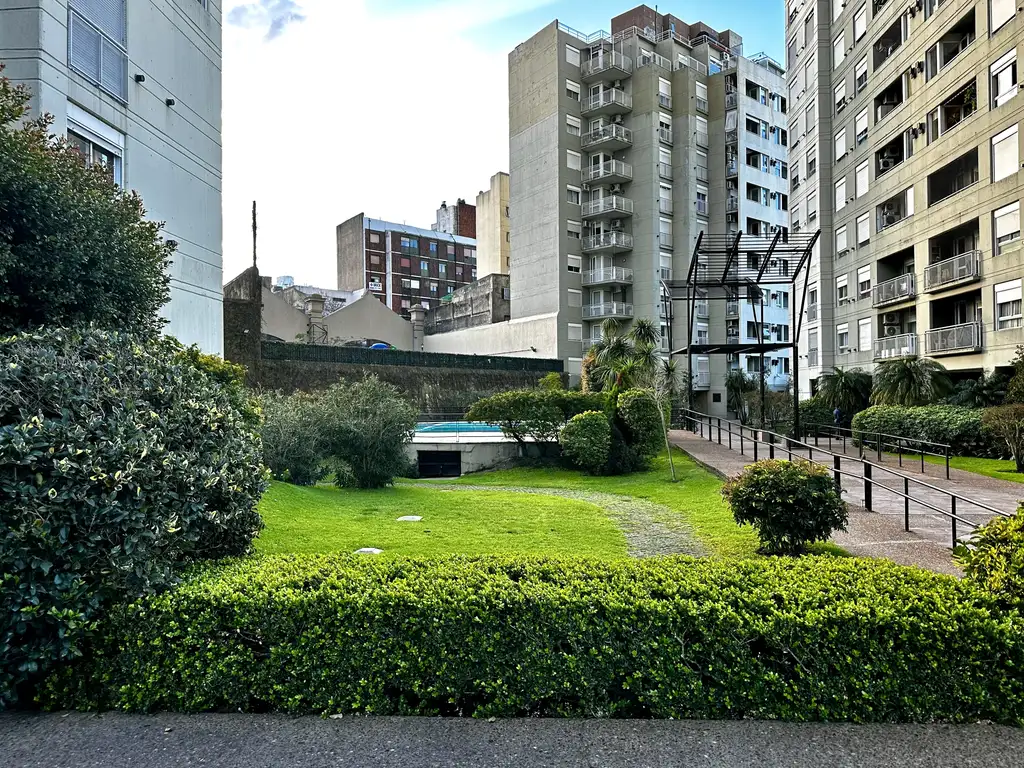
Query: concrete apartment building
<point>624,146</point>
<point>906,149</point>
<point>458,219</point>
<point>493,241</point>
<point>138,90</point>
<point>402,266</point>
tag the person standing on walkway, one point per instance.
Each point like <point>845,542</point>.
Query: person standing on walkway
<point>837,417</point>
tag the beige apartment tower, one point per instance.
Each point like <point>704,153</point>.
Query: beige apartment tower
<point>493,240</point>
<point>906,153</point>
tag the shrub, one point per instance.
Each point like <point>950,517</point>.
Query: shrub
<point>815,412</point>
<point>75,248</point>
<point>1005,424</point>
<point>812,639</point>
<point>551,381</point>
<point>638,410</point>
<point>586,440</point>
<point>533,414</point>
<point>959,428</point>
<point>995,558</point>
<point>119,461</point>
<point>910,381</point>
<point>294,444</point>
<point>790,504</point>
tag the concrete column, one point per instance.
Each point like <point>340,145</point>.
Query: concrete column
<point>418,316</point>
<point>316,331</point>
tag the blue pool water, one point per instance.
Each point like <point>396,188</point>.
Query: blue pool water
<point>457,426</point>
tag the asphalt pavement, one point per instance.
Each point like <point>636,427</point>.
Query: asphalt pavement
<point>74,740</point>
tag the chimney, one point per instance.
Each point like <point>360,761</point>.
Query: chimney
<point>418,317</point>
<point>315,331</point>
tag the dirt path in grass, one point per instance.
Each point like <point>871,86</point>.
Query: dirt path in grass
<point>650,529</point>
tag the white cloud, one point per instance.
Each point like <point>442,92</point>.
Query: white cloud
<point>272,15</point>
<point>354,111</point>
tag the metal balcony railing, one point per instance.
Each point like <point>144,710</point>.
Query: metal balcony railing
<point>902,345</point>
<point>732,308</point>
<point>965,337</point>
<point>613,97</point>
<point>959,269</point>
<point>665,135</point>
<point>608,205</point>
<point>609,133</point>
<point>702,379</point>
<point>608,275</point>
<point>607,309</point>
<point>607,170</point>
<point>607,60</point>
<point>614,240</point>
<point>891,291</point>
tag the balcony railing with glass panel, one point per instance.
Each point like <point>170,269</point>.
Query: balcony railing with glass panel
<point>608,64</point>
<point>959,269</point>
<point>702,379</point>
<point>616,309</point>
<point>608,241</point>
<point>611,172</point>
<point>611,137</point>
<point>892,291</point>
<point>902,345</point>
<point>965,337</point>
<point>608,276</point>
<point>610,207</point>
<point>610,102</point>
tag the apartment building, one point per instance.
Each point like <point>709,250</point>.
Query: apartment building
<point>138,91</point>
<point>494,243</point>
<point>402,266</point>
<point>621,155</point>
<point>906,149</point>
<point>458,219</point>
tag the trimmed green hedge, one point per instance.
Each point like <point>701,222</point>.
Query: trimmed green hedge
<point>807,639</point>
<point>586,440</point>
<point>960,428</point>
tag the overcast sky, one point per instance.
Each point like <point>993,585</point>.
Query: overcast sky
<point>388,107</point>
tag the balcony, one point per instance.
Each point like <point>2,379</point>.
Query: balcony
<point>732,337</point>
<point>665,100</point>
<point>665,205</point>
<point>953,177</point>
<point>702,139</point>
<point>951,45</point>
<point>945,274</point>
<point>613,309</point>
<point>889,99</point>
<point>665,135</point>
<point>732,308</point>
<point>607,65</point>
<point>812,312</point>
<point>611,207</point>
<point>893,153</point>
<point>614,242</point>
<point>609,172</point>
<point>893,291</point>
<point>953,111</point>
<point>731,137</point>
<point>890,41</point>
<point>902,345</point>
<point>730,100</point>
<point>613,101</point>
<point>953,339</point>
<point>732,168</point>
<point>700,308</point>
<point>609,138</point>
<point>895,209</point>
<point>665,170</point>
<point>608,276</point>
<point>702,379</point>
<point>732,204</point>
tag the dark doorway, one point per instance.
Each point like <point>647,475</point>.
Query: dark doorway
<point>440,463</point>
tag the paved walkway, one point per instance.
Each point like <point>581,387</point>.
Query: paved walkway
<point>273,741</point>
<point>880,532</point>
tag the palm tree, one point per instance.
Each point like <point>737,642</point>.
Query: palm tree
<point>737,384</point>
<point>625,361</point>
<point>910,381</point>
<point>983,392</point>
<point>847,390</point>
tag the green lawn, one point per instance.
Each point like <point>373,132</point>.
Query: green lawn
<point>1002,469</point>
<point>695,497</point>
<point>325,520</point>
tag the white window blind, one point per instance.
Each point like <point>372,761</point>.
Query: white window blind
<point>863,228</point>
<point>840,144</point>
<point>864,280</point>
<point>839,94</point>
<point>840,194</point>
<point>838,50</point>
<point>573,125</point>
<point>573,160</point>
<point>664,86</point>
<point>574,263</point>
<point>861,125</point>
<point>575,331</point>
<point>702,90</point>
<point>860,23</point>
<point>1006,223</point>
<point>861,75</point>
<point>1004,154</point>
<point>841,244</point>
<point>1004,78</point>
<point>864,335</point>
<point>575,298</point>
<point>1000,12</point>
<point>572,55</point>
<point>862,179</point>
<point>1008,304</point>
<point>572,90</point>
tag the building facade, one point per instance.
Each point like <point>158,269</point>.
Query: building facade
<point>621,151</point>
<point>458,219</point>
<point>906,149</point>
<point>138,90</point>
<point>402,266</point>
<point>494,245</point>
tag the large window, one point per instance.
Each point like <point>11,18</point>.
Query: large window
<point>862,179</point>
<point>864,335</point>
<point>841,240</point>
<point>842,289</point>
<point>860,23</point>
<point>1004,154</point>
<point>863,228</point>
<point>99,144</point>
<point>840,144</point>
<point>575,298</point>
<point>1008,304</point>
<point>1000,12</point>
<point>840,195</point>
<point>1006,225</point>
<point>98,43</point>
<point>843,337</point>
<point>1004,79</point>
<point>864,281</point>
<point>838,50</point>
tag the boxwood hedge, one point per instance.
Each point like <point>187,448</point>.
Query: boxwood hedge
<point>808,639</point>
<point>958,427</point>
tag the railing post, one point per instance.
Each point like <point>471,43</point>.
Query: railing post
<point>922,458</point>
<point>844,441</point>
<point>867,486</point>
<point>947,461</point>
<point>899,449</point>
<point>837,478</point>
<point>755,445</point>
<point>719,431</point>
<point>906,504</point>
<point>815,435</point>
<point>711,431</point>
<point>810,453</point>
<point>730,436</point>
<point>771,450</point>
<point>952,507</point>
<point>878,446</point>
<point>741,440</point>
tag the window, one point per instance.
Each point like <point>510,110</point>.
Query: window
<point>864,335</point>
<point>424,266</point>
<point>442,268</point>
<point>1004,154</point>
<point>843,337</point>
<point>809,117</point>
<point>812,161</point>
<point>1004,79</point>
<point>841,244</point>
<point>812,206</point>
<point>840,144</point>
<point>97,44</point>
<point>433,248</point>
<point>1000,12</point>
<point>374,238</point>
<point>572,90</point>
<point>572,55</point>
<point>862,179</point>
<point>573,159</point>
<point>860,75</point>
<point>575,331</point>
<point>809,73</point>
<point>841,288</point>
<point>860,23</point>
<point>451,251</point>
<point>575,263</point>
<point>574,229</point>
<point>861,127</point>
<point>864,281</point>
<point>863,228</point>
<point>572,195</point>
<point>838,50</point>
<point>839,94</point>
<point>1006,224</point>
<point>572,125</point>
<point>575,298</point>
<point>406,304</point>
<point>98,143</point>
<point>409,246</point>
<point>665,231</point>
<point>1008,305</point>
<point>840,195</point>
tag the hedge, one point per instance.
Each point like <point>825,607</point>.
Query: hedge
<point>959,428</point>
<point>795,639</point>
<point>586,441</point>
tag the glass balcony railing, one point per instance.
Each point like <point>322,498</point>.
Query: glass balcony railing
<point>608,206</point>
<point>608,276</point>
<point>610,101</point>
<point>607,309</point>
<point>965,337</point>
<point>619,135</point>
<point>702,379</point>
<point>901,345</point>
<point>959,269</point>
<point>610,171</point>
<point>891,291</point>
<point>615,241</point>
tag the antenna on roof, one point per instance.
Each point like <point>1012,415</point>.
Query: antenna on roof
<point>254,233</point>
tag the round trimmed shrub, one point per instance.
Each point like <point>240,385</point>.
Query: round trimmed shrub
<point>790,504</point>
<point>995,558</point>
<point>586,441</point>
<point>639,412</point>
<point>120,460</point>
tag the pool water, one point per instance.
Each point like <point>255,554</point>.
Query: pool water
<point>457,426</point>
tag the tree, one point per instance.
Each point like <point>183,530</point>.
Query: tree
<point>847,390</point>
<point>75,249</point>
<point>1015,389</point>
<point>624,361</point>
<point>1006,424</point>
<point>737,385</point>
<point>984,392</point>
<point>910,381</point>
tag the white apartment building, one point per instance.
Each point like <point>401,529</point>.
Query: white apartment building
<point>137,88</point>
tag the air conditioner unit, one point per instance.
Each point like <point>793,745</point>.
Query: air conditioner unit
<point>617,120</point>
<point>616,189</point>
<point>616,225</point>
<point>585,187</point>
<point>892,330</point>
<point>891,318</point>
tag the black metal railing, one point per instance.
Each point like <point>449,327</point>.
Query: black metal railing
<point>877,442</point>
<point>752,439</point>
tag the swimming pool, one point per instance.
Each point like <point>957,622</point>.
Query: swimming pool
<point>446,427</point>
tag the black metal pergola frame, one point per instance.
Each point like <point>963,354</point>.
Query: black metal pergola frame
<point>737,267</point>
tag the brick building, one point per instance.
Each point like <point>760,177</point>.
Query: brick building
<point>401,265</point>
<point>458,219</point>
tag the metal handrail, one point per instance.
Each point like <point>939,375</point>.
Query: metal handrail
<point>696,421</point>
<point>881,441</point>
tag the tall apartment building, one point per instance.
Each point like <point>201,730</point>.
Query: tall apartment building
<point>402,266</point>
<point>140,94</point>
<point>458,219</point>
<point>624,146</point>
<point>906,149</point>
<point>494,244</point>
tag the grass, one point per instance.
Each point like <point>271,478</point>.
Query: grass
<point>1001,469</point>
<point>325,520</point>
<point>696,497</point>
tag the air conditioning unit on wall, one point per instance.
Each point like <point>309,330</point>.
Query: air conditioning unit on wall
<point>892,330</point>
<point>891,318</point>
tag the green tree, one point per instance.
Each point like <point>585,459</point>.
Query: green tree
<point>623,361</point>
<point>737,385</point>
<point>1015,389</point>
<point>849,390</point>
<point>986,391</point>
<point>910,381</point>
<point>75,249</point>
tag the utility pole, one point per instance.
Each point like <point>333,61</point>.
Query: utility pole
<point>254,233</point>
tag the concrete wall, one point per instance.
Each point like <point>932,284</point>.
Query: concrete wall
<point>170,155</point>
<point>493,242</point>
<point>481,303</point>
<point>281,319</point>
<point>351,256</point>
<point>367,318</point>
<point>476,457</point>
<point>523,337</point>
